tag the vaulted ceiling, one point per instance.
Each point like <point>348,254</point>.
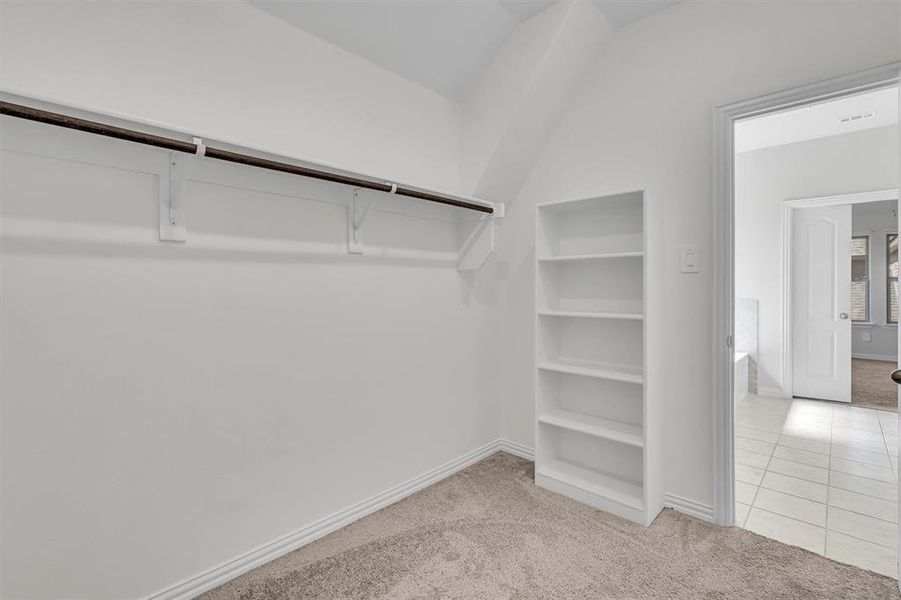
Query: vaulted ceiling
<point>441,44</point>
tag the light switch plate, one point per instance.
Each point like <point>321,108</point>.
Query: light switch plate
<point>689,261</point>
<point>867,336</point>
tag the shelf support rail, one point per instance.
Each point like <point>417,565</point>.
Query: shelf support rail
<point>173,227</point>
<point>198,148</point>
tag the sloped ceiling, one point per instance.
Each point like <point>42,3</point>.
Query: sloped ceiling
<point>621,13</point>
<point>441,44</point>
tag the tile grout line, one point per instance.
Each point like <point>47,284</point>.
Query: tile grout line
<point>838,487</point>
<point>757,487</point>
<point>894,480</point>
<point>797,521</point>
<point>766,510</point>
<point>885,443</point>
<point>827,497</point>
<point>829,468</point>
<point>866,446</point>
<point>765,469</point>
<point>854,460</point>
<point>757,490</point>
<point>828,476</point>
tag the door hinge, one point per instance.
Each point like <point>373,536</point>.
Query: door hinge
<point>729,341</point>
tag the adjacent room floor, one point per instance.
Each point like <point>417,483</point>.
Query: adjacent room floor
<point>489,532</point>
<point>871,386</point>
<point>819,475</point>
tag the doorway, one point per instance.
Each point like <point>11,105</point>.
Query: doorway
<point>814,468</point>
<point>800,474</point>
<point>840,302</point>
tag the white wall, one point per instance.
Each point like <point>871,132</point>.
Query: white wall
<point>644,120</point>
<point>876,219</point>
<point>764,179</point>
<point>229,71</point>
<point>167,408</point>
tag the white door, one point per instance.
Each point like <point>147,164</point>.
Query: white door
<point>821,302</point>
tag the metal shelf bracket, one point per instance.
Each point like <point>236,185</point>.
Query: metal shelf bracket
<point>172,203</point>
<point>356,214</point>
<point>481,241</point>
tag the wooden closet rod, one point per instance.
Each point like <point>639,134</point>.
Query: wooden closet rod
<point>61,120</point>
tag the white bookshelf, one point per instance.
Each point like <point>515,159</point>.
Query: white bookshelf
<point>598,434</point>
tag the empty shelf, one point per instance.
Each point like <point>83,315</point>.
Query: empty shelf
<point>595,202</point>
<point>613,372</point>
<point>619,490</point>
<point>596,426</point>
<point>591,315</point>
<point>578,257</point>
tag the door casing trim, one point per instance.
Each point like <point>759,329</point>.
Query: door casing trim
<point>723,251</point>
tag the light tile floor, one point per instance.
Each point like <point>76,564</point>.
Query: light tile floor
<point>819,475</point>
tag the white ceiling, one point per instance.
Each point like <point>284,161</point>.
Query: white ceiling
<point>441,44</point>
<point>621,13</point>
<point>827,119</point>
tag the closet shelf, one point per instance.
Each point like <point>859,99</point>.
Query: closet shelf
<point>591,315</point>
<point>596,426</point>
<point>612,372</point>
<point>582,257</point>
<point>607,486</point>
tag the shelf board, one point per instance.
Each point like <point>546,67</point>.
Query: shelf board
<point>595,426</point>
<point>606,486</point>
<point>584,257</point>
<point>598,202</point>
<point>591,315</point>
<point>612,372</point>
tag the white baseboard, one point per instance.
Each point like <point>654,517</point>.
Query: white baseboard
<point>875,357</point>
<point>770,392</point>
<point>689,507</point>
<point>516,449</point>
<point>218,575</point>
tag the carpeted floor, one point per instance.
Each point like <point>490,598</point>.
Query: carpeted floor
<point>871,386</point>
<point>488,533</point>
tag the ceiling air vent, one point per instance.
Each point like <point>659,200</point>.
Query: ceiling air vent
<point>847,120</point>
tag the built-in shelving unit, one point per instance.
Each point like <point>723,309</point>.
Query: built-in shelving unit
<point>598,438</point>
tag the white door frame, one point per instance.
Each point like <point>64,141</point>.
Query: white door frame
<point>788,209</point>
<point>724,255</point>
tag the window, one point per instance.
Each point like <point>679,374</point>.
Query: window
<point>860,278</point>
<point>891,283</point>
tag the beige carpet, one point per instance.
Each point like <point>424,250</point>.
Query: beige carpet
<point>871,386</point>
<point>488,533</point>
